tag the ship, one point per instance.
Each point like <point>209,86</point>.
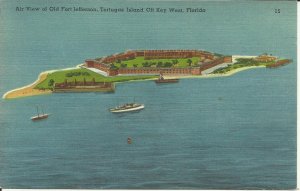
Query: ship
<point>127,108</point>
<point>161,79</point>
<point>39,116</point>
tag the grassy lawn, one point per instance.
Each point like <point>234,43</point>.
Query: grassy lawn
<point>138,62</point>
<point>81,73</point>
<point>242,62</point>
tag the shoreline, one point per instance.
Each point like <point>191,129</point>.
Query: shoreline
<point>29,90</point>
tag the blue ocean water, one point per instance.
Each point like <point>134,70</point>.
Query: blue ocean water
<point>236,132</point>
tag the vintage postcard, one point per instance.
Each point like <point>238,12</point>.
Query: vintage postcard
<point>129,94</point>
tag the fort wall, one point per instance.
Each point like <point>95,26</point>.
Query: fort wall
<point>180,71</point>
<point>158,54</point>
<point>104,64</point>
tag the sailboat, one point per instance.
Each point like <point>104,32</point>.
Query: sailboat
<point>39,116</point>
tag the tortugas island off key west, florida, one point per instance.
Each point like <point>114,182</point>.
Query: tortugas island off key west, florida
<point>101,74</point>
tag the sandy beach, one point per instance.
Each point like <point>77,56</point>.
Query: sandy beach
<point>30,91</point>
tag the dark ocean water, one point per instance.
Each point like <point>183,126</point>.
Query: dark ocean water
<point>236,132</point>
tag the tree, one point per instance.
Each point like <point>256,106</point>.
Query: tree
<point>174,62</point>
<point>145,64</point>
<point>85,74</point>
<point>189,61</point>
<point>70,74</point>
<point>168,64</point>
<point>159,64</point>
<point>77,73</point>
<point>113,66</point>
<point>123,65</point>
<point>51,82</point>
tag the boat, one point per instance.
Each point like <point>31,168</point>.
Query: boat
<point>39,116</point>
<point>161,79</point>
<point>127,108</point>
<point>129,140</point>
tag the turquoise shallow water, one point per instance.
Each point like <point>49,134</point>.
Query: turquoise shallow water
<point>236,132</point>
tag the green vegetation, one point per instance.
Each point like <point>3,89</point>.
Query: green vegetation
<point>160,63</point>
<point>80,74</point>
<point>50,82</point>
<point>241,62</point>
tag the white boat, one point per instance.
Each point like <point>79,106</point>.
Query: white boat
<point>39,116</point>
<point>127,107</point>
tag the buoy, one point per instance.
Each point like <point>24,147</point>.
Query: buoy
<point>129,140</point>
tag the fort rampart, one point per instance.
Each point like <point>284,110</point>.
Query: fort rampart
<point>105,64</point>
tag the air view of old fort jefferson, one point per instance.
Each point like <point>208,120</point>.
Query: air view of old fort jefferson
<point>101,74</point>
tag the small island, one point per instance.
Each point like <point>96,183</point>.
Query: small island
<point>101,74</point>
